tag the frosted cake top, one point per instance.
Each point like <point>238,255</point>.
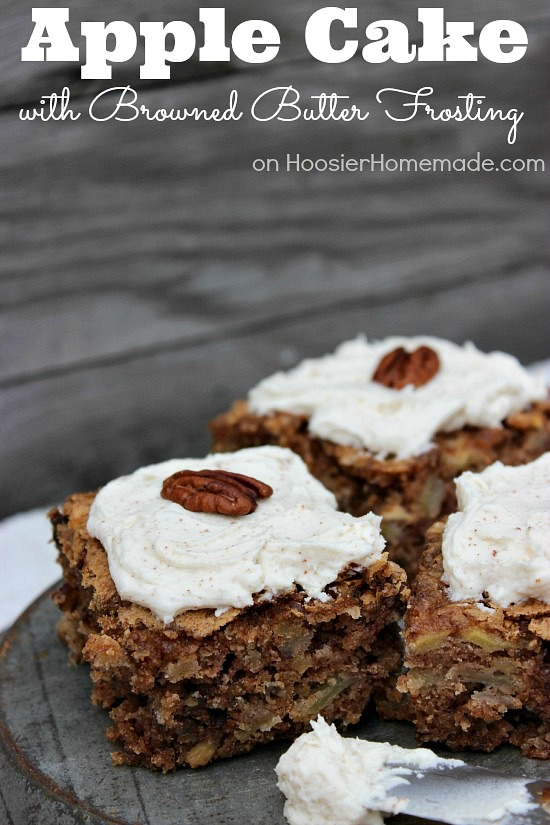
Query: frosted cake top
<point>345,405</point>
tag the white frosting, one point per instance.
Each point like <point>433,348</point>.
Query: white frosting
<point>331,780</point>
<point>168,559</point>
<point>347,407</point>
<point>499,540</point>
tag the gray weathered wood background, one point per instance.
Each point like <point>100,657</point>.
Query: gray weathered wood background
<point>149,275</point>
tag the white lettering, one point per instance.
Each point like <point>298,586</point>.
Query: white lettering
<point>286,98</point>
<point>97,53</point>
<point>492,38</point>
<point>318,29</point>
<point>119,106</point>
<point>214,49</point>
<point>444,41</point>
<point>255,41</point>
<point>393,46</point>
<point>52,107</point>
<point>50,39</point>
<point>412,106</point>
<point>330,37</point>
<point>156,54</point>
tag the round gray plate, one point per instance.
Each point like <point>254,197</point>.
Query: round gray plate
<point>55,767</point>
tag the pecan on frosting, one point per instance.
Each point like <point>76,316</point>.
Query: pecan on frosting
<point>215,491</point>
<point>399,368</point>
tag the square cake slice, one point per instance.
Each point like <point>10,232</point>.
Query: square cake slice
<point>225,602</point>
<point>387,425</point>
<point>478,626</point>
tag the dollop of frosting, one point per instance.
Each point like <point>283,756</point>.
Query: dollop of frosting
<point>331,780</point>
<point>170,560</point>
<point>498,542</point>
<point>346,406</point>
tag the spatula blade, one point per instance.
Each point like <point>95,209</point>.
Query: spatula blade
<point>465,795</point>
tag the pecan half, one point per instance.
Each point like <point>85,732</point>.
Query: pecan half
<point>215,491</point>
<point>399,368</point>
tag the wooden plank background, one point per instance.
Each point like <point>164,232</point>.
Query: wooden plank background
<point>149,275</point>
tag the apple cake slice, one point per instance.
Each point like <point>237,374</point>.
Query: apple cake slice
<point>477,629</point>
<point>224,607</point>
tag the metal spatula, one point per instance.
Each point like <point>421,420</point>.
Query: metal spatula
<point>465,795</point>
